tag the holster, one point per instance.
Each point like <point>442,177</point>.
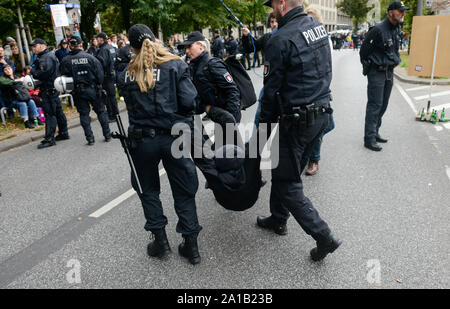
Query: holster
<point>135,136</point>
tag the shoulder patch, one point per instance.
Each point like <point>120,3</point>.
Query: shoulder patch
<point>228,77</point>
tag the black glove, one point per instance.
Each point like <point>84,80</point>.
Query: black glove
<point>221,116</point>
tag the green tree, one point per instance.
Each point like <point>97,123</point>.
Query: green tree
<point>356,9</point>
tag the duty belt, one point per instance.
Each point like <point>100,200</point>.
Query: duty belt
<point>138,134</point>
<point>382,68</point>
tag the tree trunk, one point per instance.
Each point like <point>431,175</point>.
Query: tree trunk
<point>126,13</point>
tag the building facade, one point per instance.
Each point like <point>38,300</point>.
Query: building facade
<point>333,18</point>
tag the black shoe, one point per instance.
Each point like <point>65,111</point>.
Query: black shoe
<point>373,146</point>
<point>189,249</point>
<point>62,137</point>
<point>108,138</point>
<point>29,125</point>
<point>325,248</point>
<point>111,120</point>
<point>379,139</point>
<point>269,223</point>
<point>159,247</point>
<point>46,144</point>
<point>91,142</point>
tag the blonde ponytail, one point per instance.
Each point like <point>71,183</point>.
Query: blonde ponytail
<point>148,58</point>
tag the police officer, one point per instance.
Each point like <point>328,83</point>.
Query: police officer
<point>87,73</point>
<point>158,94</point>
<point>380,55</point>
<point>219,95</point>
<point>46,69</point>
<point>218,45</point>
<point>298,72</point>
<point>123,59</point>
<point>106,54</point>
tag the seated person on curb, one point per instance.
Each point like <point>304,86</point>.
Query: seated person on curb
<point>16,96</point>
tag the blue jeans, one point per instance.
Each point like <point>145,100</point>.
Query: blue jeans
<point>23,108</point>
<point>315,154</point>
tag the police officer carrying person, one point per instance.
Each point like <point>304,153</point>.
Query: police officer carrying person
<point>218,94</point>
<point>218,45</point>
<point>87,73</point>
<point>106,54</point>
<point>298,73</point>
<point>379,56</point>
<point>46,70</point>
<point>158,94</point>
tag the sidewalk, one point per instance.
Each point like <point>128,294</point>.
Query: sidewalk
<point>33,136</point>
<point>402,75</point>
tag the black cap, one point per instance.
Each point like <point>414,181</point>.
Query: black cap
<point>63,42</point>
<point>75,40</point>
<point>193,37</point>
<point>38,41</point>
<point>268,3</point>
<point>138,33</point>
<point>398,5</point>
<point>102,35</point>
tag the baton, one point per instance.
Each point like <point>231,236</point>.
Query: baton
<point>124,141</point>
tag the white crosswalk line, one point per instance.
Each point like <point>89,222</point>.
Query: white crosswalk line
<point>446,125</point>
<point>434,95</point>
<point>440,107</point>
<point>406,97</point>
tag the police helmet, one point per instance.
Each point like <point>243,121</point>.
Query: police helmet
<point>64,84</point>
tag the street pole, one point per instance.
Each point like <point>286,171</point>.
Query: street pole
<point>419,11</point>
<point>24,35</point>
<point>19,43</point>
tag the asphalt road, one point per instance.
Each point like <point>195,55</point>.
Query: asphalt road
<point>390,208</point>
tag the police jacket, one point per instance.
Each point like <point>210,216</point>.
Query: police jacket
<point>123,58</point>
<point>381,45</point>
<point>171,101</point>
<point>46,69</point>
<point>106,54</point>
<point>217,47</point>
<point>83,67</point>
<point>215,85</point>
<point>298,65</point>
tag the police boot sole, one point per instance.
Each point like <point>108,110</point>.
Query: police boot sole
<point>316,257</point>
<point>373,148</point>
<point>46,145</point>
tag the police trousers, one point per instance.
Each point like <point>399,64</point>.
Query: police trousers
<point>85,97</point>
<point>183,181</point>
<point>110,99</point>
<point>379,90</point>
<point>287,195</point>
<point>54,115</point>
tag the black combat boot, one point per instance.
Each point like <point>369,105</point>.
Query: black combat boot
<point>159,247</point>
<point>269,223</point>
<point>62,137</point>
<point>189,249</point>
<point>325,247</point>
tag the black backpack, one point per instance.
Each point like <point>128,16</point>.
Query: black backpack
<point>241,78</point>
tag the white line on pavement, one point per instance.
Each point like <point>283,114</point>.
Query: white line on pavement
<point>406,97</point>
<point>419,88</point>
<point>448,171</point>
<point>440,107</point>
<point>446,125</point>
<point>439,128</point>
<point>116,202</point>
<point>434,95</point>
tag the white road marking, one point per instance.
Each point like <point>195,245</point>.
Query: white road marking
<point>446,125</point>
<point>116,202</point>
<point>419,88</point>
<point>434,95</point>
<point>440,107</point>
<point>448,171</point>
<point>439,128</point>
<point>113,204</point>
<point>407,98</point>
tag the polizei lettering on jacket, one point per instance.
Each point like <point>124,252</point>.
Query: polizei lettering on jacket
<point>78,61</point>
<point>315,34</point>
<point>132,78</point>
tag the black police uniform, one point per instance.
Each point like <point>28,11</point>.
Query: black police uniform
<point>379,55</point>
<point>106,54</point>
<point>218,47</point>
<point>46,70</point>
<point>298,66</point>
<point>87,73</point>
<point>151,116</point>
<point>216,87</point>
